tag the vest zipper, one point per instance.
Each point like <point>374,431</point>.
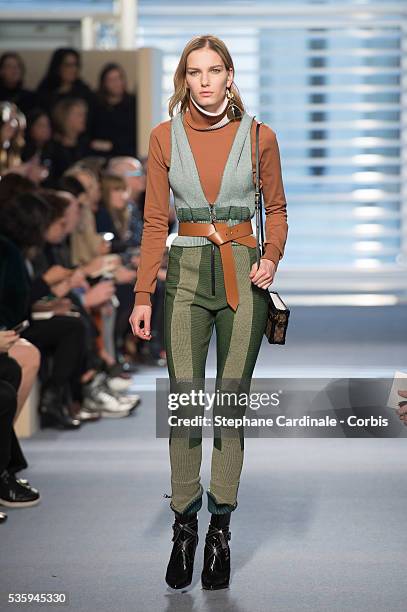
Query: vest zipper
<point>213,268</point>
<point>213,218</point>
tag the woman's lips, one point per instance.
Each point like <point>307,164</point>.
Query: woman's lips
<point>206,93</point>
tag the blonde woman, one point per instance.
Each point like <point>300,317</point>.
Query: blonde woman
<point>85,243</point>
<point>206,154</point>
<point>114,213</point>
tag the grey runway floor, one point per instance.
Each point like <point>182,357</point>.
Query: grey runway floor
<point>320,526</point>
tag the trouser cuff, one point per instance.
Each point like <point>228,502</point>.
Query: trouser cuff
<point>194,506</point>
<point>216,508</point>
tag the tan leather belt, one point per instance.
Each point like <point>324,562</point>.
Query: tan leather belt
<point>222,234</point>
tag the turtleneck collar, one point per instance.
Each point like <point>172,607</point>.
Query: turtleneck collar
<point>197,118</point>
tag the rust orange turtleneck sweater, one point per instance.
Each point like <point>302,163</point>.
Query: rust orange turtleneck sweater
<point>210,149</point>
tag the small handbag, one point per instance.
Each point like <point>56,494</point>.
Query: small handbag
<point>278,313</point>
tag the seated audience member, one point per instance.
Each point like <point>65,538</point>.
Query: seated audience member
<point>69,143</point>
<point>23,222</point>
<point>14,493</point>
<point>63,80</point>
<point>72,188</point>
<point>12,72</point>
<point>113,214</point>
<point>86,243</point>
<point>113,126</point>
<point>132,171</point>
<point>38,135</point>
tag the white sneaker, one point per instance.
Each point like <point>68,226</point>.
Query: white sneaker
<point>109,406</point>
<point>97,398</point>
<point>119,384</point>
<point>105,411</point>
<point>131,400</point>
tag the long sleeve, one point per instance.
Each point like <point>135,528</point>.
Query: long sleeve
<point>155,230</point>
<point>39,289</point>
<point>14,285</point>
<point>274,200</point>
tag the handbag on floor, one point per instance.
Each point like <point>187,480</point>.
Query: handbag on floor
<point>278,312</point>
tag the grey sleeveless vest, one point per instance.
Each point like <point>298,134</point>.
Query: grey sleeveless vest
<point>235,200</point>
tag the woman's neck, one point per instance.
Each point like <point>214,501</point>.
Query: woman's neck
<point>200,119</point>
<point>114,98</point>
<point>69,139</point>
<point>219,111</point>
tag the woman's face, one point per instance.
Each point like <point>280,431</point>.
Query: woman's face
<point>11,72</point>
<point>8,131</point>
<point>41,130</point>
<point>56,231</point>
<point>118,198</point>
<point>76,119</point>
<point>114,83</point>
<point>207,78</point>
<point>10,128</point>
<point>69,69</point>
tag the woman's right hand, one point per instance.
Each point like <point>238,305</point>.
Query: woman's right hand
<point>139,314</point>
<point>56,274</point>
<point>7,339</point>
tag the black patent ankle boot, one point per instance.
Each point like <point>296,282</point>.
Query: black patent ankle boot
<point>181,565</point>
<point>54,411</point>
<point>216,567</point>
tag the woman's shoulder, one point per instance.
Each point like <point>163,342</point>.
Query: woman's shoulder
<point>266,133</point>
<point>161,130</point>
<point>160,139</point>
<point>9,250</point>
<point>5,244</point>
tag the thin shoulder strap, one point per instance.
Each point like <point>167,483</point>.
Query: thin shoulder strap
<point>258,200</point>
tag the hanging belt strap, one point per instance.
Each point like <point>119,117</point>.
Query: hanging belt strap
<point>222,234</point>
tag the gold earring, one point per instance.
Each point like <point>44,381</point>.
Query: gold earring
<point>233,112</point>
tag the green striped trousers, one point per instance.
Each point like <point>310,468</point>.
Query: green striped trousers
<point>192,308</point>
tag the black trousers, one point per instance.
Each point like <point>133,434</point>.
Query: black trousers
<point>11,455</point>
<point>125,295</point>
<point>64,339</point>
<point>157,319</point>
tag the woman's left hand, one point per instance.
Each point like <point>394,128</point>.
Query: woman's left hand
<point>264,275</point>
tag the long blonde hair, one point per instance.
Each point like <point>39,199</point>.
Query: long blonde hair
<point>120,218</point>
<point>181,92</point>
